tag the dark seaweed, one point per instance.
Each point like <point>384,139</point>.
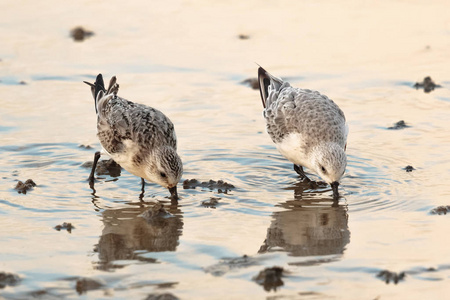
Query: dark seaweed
<point>389,276</point>
<point>427,84</point>
<point>399,125</point>
<point>440,210</point>
<point>409,168</point>
<point>79,34</point>
<point>22,188</point>
<point>211,203</point>
<point>66,226</point>
<point>270,278</point>
<point>165,296</point>
<point>86,284</point>
<point>8,279</point>
<point>251,82</point>
<point>220,185</point>
<point>105,167</point>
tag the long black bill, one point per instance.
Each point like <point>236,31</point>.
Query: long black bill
<point>173,193</point>
<point>334,187</point>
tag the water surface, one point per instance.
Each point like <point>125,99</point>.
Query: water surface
<point>186,59</point>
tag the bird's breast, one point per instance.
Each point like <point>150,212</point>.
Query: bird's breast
<point>295,148</point>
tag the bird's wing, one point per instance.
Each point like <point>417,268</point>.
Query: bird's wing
<point>122,120</point>
<point>307,112</point>
<point>269,86</point>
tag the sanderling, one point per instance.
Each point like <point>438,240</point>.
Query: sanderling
<point>308,128</point>
<point>139,138</point>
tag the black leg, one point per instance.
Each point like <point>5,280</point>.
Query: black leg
<point>141,196</point>
<point>299,170</point>
<point>94,166</point>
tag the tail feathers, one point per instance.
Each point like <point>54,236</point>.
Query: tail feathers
<point>265,80</point>
<point>97,100</point>
<point>97,88</point>
<point>113,87</point>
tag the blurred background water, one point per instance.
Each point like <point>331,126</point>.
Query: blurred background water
<point>188,59</point>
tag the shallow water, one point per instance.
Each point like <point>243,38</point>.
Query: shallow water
<point>186,59</point>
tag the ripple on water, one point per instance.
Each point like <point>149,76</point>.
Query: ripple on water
<point>369,185</point>
<point>39,155</point>
<point>53,167</point>
<point>375,185</point>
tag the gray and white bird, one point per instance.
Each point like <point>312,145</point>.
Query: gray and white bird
<point>308,128</point>
<point>139,138</point>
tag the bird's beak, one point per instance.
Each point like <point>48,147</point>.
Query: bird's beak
<point>334,187</point>
<point>173,193</point>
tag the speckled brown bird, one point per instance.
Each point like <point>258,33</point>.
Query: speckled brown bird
<point>139,138</point>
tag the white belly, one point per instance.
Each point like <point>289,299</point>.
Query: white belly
<point>125,159</point>
<point>292,148</point>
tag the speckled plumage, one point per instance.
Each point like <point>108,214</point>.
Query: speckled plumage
<point>308,128</point>
<point>138,137</point>
<point>307,112</point>
<point>120,120</point>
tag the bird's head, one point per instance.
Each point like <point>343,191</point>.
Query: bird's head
<point>167,169</point>
<point>330,162</point>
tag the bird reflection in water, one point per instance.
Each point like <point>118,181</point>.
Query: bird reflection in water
<point>311,225</point>
<point>127,230</point>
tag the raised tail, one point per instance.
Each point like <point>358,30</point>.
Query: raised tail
<point>265,80</point>
<point>96,88</point>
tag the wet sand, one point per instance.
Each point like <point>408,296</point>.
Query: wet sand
<point>265,233</point>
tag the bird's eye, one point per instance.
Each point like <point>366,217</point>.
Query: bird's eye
<point>323,170</point>
<point>163,175</point>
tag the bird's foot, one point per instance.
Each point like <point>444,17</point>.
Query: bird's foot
<point>299,170</point>
<point>93,180</point>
